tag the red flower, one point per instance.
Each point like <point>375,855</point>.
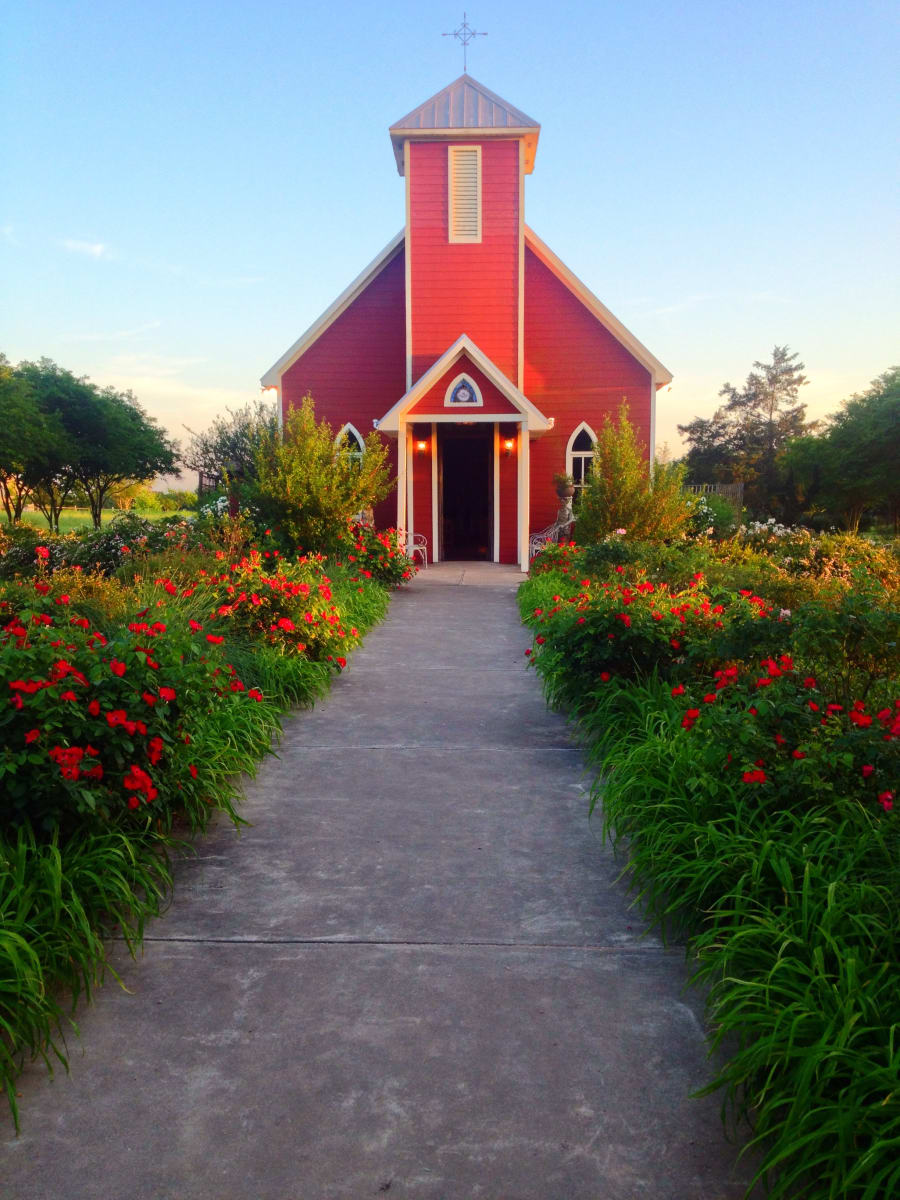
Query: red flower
<point>167,693</point>
<point>118,716</point>
<point>867,771</point>
<point>710,698</point>
<point>679,690</point>
<point>149,698</point>
<point>32,736</point>
<point>62,599</point>
<point>155,749</point>
<point>798,754</point>
<point>94,708</point>
<point>117,668</point>
<point>68,696</point>
<point>214,639</point>
<point>809,682</point>
<point>540,640</point>
<point>42,551</point>
<point>195,625</point>
<point>605,676</point>
<point>754,777</point>
<point>255,693</point>
<point>341,662</point>
<point>193,771</point>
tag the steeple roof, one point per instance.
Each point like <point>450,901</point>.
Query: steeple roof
<point>463,109</point>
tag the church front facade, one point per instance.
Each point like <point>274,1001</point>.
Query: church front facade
<point>486,364</point>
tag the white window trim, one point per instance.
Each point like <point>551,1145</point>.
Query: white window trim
<point>570,450</point>
<point>478,402</point>
<point>452,154</point>
<point>353,435</point>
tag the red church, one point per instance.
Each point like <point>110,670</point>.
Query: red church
<point>468,344</point>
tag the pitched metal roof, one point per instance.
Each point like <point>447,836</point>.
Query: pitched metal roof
<point>465,105</point>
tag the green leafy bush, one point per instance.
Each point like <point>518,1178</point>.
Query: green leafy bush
<point>620,492</point>
<point>309,487</point>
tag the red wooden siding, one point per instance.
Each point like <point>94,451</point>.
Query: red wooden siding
<point>433,400</point>
<point>575,370</point>
<point>421,522</point>
<point>356,370</point>
<point>509,496</point>
<point>469,288</point>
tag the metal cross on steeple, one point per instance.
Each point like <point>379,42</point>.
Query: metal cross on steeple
<point>465,34</point>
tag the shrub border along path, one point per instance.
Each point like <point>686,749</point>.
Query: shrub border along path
<point>413,970</point>
<point>758,808</point>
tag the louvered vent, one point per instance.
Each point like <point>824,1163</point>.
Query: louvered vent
<point>465,193</point>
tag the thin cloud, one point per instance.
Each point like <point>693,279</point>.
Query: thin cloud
<point>118,336</point>
<point>9,235</point>
<point>91,249</point>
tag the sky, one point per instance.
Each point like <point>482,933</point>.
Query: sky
<point>185,188</point>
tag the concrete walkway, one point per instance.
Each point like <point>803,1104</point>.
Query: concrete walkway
<point>413,975</point>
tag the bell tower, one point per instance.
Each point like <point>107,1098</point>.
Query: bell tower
<point>464,155</point>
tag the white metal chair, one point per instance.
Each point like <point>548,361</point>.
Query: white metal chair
<point>417,543</point>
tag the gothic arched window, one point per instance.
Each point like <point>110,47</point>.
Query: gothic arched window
<point>351,438</point>
<point>580,453</point>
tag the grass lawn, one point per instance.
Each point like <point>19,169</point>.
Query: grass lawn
<point>79,518</point>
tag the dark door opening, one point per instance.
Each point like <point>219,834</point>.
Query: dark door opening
<point>466,453</point>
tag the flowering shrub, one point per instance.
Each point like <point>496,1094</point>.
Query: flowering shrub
<point>748,755</point>
<point>287,605</point>
<point>107,728</point>
<point>374,554</point>
<point>713,516</point>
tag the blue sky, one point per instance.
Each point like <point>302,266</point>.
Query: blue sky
<point>184,188</point>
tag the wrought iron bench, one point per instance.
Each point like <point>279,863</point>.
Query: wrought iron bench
<point>551,535</point>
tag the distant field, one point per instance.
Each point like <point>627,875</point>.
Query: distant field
<point>78,518</point>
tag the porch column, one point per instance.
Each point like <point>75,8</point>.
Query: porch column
<point>496,489</point>
<point>435,524</point>
<point>401,474</point>
<point>524,505</point>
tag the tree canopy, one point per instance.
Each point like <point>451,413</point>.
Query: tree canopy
<point>231,443</point>
<point>744,437</point>
<point>66,433</point>
<point>852,466</point>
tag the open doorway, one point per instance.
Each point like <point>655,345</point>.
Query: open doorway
<point>465,458</point>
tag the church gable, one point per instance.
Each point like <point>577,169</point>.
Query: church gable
<point>463,393</point>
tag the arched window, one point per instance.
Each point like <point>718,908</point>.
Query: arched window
<point>463,392</point>
<point>580,453</point>
<point>352,440</point>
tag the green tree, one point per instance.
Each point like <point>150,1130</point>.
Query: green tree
<point>96,440</point>
<point>309,484</point>
<point>24,434</point>
<point>851,467</point>
<point>743,439</point>
<point>50,469</point>
<point>231,443</point>
<point>622,493</point>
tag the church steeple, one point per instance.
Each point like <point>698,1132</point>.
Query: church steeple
<point>466,109</point>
